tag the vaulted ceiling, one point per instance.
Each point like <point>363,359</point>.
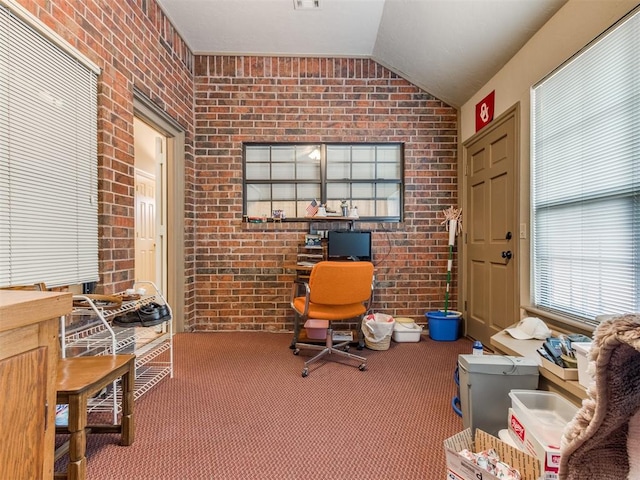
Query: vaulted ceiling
<point>449,48</point>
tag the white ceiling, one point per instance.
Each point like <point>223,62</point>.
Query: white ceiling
<point>449,48</point>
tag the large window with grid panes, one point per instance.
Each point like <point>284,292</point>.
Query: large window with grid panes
<point>287,178</point>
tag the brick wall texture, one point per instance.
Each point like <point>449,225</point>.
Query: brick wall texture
<point>234,277</point>
<point>239,281</point>
<point>136,48</point>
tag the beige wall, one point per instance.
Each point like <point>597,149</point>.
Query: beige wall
<point>574,26</point>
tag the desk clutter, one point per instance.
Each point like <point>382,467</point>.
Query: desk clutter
<point>601,438</point>
<point>564,355</point>
<point>527,448</point>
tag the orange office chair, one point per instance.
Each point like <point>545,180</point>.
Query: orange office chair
<point>335,291</point>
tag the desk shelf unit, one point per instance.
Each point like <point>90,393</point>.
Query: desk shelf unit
<point>330,218</point>
<point>93,333</point>
<point>311,254</point>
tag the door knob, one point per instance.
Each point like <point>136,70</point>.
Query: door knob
<point>507,255</point>
<point>508,236</point>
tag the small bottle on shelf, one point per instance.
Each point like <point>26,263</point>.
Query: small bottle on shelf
<point>477,348</point>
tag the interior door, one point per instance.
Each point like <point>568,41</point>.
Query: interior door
<point>491,240</point>
<point>145,226</point>
<point>150,199</point>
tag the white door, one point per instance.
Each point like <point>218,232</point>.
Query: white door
<point>145,226</point>
<point>150,221</point>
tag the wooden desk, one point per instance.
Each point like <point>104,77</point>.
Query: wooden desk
<point>297,268</point>
<point>506,344</point>
<point>29,351</point>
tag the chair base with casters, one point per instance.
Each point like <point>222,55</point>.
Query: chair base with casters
<point>336,291</point>
<point>340,350</point>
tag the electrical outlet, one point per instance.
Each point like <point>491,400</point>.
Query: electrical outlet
<point>523,230</point>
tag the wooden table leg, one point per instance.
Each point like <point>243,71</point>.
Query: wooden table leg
<point>78,380</point>
<point>126,422</point>
<point>77,468</point>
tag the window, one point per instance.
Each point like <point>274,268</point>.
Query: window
<point>288,177</point>
<point>586,180</point>
<point>48,160</point>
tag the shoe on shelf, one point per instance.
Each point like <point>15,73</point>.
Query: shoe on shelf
<point>147,315</point>
<point>163,310</point>
<point>129,319</point>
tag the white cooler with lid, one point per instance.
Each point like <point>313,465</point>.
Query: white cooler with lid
<point>406,330</point>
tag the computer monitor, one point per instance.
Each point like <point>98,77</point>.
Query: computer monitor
<point>349,245</point>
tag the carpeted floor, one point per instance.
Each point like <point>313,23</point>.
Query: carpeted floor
<point>238,408</point>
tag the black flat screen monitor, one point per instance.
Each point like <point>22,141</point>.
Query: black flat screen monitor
<point>349,245</point>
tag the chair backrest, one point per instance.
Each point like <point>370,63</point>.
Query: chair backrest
<point>340,283</point>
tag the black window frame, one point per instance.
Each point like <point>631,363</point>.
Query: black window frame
<point>323,182</point>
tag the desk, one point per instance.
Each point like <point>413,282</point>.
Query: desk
<point>29,351</point>
<point>570,389</point>
<point>301,270</point>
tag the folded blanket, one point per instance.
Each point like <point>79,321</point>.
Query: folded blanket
<point>602,442</point>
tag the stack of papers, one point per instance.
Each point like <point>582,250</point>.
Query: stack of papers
<point>343,335</point>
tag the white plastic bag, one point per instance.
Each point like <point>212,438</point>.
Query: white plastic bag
<point>377,326</point>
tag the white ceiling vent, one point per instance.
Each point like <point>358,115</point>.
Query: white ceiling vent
<point>306,4</point>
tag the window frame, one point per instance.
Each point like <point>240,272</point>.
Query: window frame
<point>592,254</point>
<point>323,181</point>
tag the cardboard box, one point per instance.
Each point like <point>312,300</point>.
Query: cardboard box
<point>564,373</point>
<point>459,468</point>
<point>526,439</point>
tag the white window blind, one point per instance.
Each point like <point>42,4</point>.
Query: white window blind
<point>48,161</point>
<point>586,179</point>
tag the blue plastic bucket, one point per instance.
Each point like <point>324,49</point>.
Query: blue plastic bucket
<point>455,401</point>
<point>444,327</point>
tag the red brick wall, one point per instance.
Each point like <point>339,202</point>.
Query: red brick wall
<point>234,277</point>
<point>134,45</point>
<point>240,282</point>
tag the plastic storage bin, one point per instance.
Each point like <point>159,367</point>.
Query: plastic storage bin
<point>444,327</point>
<point>582,355</point>
<point>316,329</point>
<point>485,383</point>
<point>406,332</point>
<point>546,413</point>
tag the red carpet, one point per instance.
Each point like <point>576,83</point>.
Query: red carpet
<point>238,408</point>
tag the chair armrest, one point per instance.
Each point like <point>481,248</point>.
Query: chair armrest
<point>367,304</point>
<point>295,289</point>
